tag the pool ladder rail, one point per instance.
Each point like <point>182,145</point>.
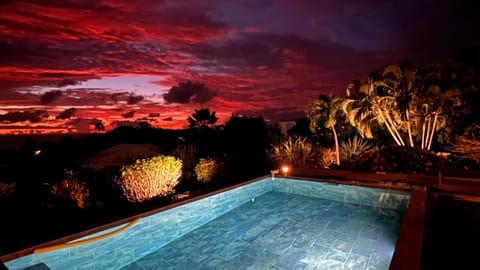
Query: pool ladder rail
<point>88,240</point>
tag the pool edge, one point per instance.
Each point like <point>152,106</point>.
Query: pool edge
<point>408,249</point>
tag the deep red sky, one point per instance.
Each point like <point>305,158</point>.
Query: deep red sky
<point>67,64</point>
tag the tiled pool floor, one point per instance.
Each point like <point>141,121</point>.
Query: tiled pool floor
<point>285,231</point>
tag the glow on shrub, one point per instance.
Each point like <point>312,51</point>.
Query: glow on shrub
<point>6,190</point>
<point>72,189</point>
<point>150,177</point>
<point>207,168</point>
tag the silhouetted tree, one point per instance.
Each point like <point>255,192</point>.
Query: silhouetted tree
<point>202,118</point>
<point>144,125</point>
<point>301,128</point>
<point>99,126</point>
<point>246,145</point>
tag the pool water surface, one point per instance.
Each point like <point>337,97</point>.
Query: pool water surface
<point>279,230</point>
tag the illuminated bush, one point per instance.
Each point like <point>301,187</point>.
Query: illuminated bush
<point>325,157</point>
<point>6,190</point>
<point>71,189</point>
<point>150,177</point>
<point>465,147</point>
<point>296,152</point>
<point>350,149</point>
<point>207,169</point>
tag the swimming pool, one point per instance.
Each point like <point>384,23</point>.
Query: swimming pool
<point>270,223</point>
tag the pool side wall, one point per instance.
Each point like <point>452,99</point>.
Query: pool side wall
<point>344,193</point>
<point>157,230</point>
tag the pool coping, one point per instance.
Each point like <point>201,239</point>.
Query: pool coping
<point>404,236</point>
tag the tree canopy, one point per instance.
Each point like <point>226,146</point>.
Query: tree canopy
<point>202,118</point>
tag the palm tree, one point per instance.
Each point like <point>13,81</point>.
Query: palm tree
<point>324,112</point>
<point>379,105</point>
<point>405,100</point>
<point>202,118</point>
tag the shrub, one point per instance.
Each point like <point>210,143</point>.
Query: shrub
<point>465,147</point>
<point>6,190</point>
<point>150,177</point>
<point>325,157</point>
<point>350,150</point>
<point>71,189</point>
<point>207,169</point>
<point>186,153</point>
<point>406,160</point>
<point>293,151</point>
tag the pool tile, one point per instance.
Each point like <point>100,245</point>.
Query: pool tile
<point>356,261</point>
<point>342,246</point>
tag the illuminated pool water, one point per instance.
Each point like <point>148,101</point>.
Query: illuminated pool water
<point>267,224</point>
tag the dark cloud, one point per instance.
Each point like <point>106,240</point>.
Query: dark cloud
<point>125,123</point>
<point>274,114</point>
<point>50,97</point>
<point>168,119</point>
<point>189,92</point>
<point>251,50</point>
<point>116,97</point>
<point>67,82</point>
<point>31,116</point>
<point>153,115</point>
<point>129,114</point>
<point>133,99</point>
<point>67,113</point>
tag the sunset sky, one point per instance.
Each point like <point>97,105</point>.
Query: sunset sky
<point>65,65</point>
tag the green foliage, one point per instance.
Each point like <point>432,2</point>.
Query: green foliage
<point>292,151</point>
<point>6,190</point>
<point>207,168</point>
<point>71,189</point>
<point>350,149</point>
<point>150,177</point>
<point>186,153</point>
<point>202,118</point>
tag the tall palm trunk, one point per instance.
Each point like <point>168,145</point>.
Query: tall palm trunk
<point>389,128</point>
<point>337,149</point>
<point>409,129</point>
<point>432,131</point>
